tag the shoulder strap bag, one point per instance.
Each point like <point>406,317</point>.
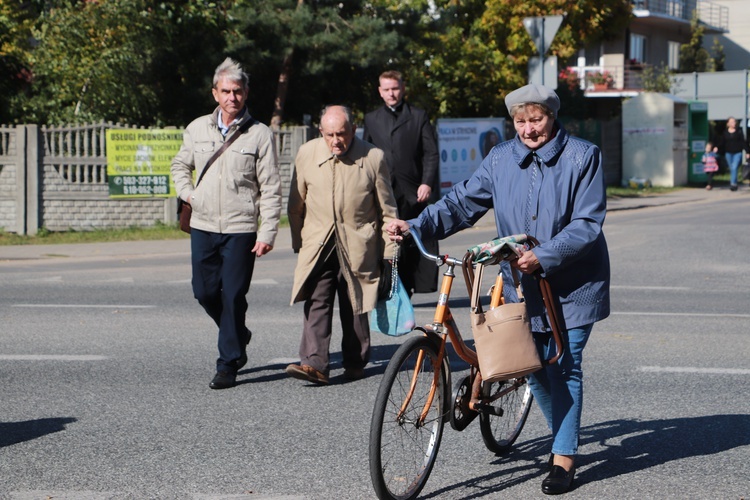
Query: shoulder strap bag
<point>184,209</point>
<point>502,337</point>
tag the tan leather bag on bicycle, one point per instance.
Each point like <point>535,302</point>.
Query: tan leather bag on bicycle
<point>502,337</point>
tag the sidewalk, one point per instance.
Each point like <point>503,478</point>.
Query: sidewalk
<point>181,248</point>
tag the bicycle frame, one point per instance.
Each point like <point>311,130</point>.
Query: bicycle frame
<point>445,327</point>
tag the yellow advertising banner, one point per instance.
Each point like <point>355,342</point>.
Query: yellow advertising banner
<point>138,162</point>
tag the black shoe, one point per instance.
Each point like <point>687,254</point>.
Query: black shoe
<point>733,187</point>
<point>223,380</point>
<point>242,360</point>
<point>354,373</point>
<point>558,481</point>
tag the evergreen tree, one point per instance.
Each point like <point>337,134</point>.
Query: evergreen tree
<point>305,53</point>
<point>693,57</point>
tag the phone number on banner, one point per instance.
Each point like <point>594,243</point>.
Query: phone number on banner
<point>139,185</point>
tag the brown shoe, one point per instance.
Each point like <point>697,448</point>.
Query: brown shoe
<point>307,372</point>
<point>354,373</point>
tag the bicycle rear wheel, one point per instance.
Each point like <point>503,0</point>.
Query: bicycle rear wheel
<point>503,421</point>
<point>403,444</point>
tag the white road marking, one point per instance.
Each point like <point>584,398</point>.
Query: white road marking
<point>703,315</point>
<point>51,357</point>
<point>265,281</point>
<point>692,369</point>
<point>282,361</point>
<point>628,287</point>
<point>95,306</point>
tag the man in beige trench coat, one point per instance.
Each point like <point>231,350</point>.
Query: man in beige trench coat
<point>339,202</point>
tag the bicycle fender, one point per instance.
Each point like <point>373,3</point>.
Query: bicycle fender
<point>431,334</point>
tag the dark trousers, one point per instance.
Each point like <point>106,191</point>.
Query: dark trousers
<point>418,274</point>
<point>222,270</point>
<point>318,322</point>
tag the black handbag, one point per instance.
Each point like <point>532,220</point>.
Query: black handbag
<point>386,279</point>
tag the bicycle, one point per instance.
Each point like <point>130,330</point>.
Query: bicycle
<point>413,400</point>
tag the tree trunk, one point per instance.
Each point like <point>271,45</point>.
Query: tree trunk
<point>283,85</point>
<point>281,90</point>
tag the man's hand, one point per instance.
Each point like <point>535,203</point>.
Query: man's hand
<point>260,248</point>
<point>396,229</point>
<point>423,193</point>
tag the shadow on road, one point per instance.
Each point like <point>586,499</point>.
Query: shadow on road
<point>17,432</point>
<point>634,445</point>
<point>628,446</point>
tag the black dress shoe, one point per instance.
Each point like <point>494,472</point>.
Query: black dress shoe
<point>558,481</point>
<point>223,380</point>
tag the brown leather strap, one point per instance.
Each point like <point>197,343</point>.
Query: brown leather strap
<point>224,146</point>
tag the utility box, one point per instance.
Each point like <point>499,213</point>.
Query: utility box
<point>655,139</point>
<point>697,139</point>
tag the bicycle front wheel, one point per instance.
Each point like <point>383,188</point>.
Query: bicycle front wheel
<point>407,421</point>
<point>508,403</point>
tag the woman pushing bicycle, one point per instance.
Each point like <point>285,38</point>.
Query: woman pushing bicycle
<point>548,184</point>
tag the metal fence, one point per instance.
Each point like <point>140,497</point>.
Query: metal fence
<point>56,178</point>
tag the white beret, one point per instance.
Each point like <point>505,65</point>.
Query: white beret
<point>533,93</point>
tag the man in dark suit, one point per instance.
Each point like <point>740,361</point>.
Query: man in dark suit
<point>406,136</point>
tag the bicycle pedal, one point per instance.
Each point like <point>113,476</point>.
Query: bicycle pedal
<point>489,409</point>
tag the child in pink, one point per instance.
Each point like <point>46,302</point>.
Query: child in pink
<point>710,163</point>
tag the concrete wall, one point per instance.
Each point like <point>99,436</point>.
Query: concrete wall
<point>56,178</point>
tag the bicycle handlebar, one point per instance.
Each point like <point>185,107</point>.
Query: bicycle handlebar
<point>467,265</point>
<point>438,259</point>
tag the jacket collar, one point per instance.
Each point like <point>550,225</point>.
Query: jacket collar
<point>215,119</point>
<point>354,156</point>
<point>404,114</point>
<point>523,156</point>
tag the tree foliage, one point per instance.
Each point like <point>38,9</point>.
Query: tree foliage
<point>15,27</point>
<point>482,50</point>
<point>131,61</point>
<point>693,57</point>
<point>328,46</point>
<point>150,62</point>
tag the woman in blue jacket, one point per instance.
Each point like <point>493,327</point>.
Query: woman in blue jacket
<point>550,185</point>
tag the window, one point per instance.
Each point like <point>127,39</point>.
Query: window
<point>637,48</point>
<point>676,8</point>
<point>673,58</point>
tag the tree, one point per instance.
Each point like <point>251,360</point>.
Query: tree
<point>693,57</point>
<point>15,30</point>
<point>309,51</point>
<point>479,50</point>
<point>719,57</point>
<point>142,62</point>
<point>657,79</point>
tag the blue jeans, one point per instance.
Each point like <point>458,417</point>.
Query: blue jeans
<point>558,388</point>
<point>222,270</point>
<point>734,160</point>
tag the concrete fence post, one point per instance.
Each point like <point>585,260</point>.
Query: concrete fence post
<point>33,174</point>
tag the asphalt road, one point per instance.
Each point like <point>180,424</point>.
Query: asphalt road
<point>105,360</point>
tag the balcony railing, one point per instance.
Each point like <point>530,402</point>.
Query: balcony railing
<point>710,13</point>
<point>623,78</point>
<point>713,14</point>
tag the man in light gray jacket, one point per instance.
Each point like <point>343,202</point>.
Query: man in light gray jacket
<point>240,187</point>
